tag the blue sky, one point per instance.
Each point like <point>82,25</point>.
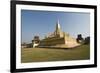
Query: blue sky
<point>43,22</point>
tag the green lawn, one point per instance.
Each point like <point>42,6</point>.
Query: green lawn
<point>49,54</point>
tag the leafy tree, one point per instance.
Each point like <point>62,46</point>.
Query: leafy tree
<point>80,38</point>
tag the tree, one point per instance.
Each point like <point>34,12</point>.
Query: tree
<point>80,38</point>
<point>87,40</point>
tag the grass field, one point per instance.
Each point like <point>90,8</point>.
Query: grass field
<point>49,54</point>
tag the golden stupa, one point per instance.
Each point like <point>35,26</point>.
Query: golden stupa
<point>58,39</point>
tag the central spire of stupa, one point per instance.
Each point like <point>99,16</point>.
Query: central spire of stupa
<point>58,29</point>
<point>57,25</point>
